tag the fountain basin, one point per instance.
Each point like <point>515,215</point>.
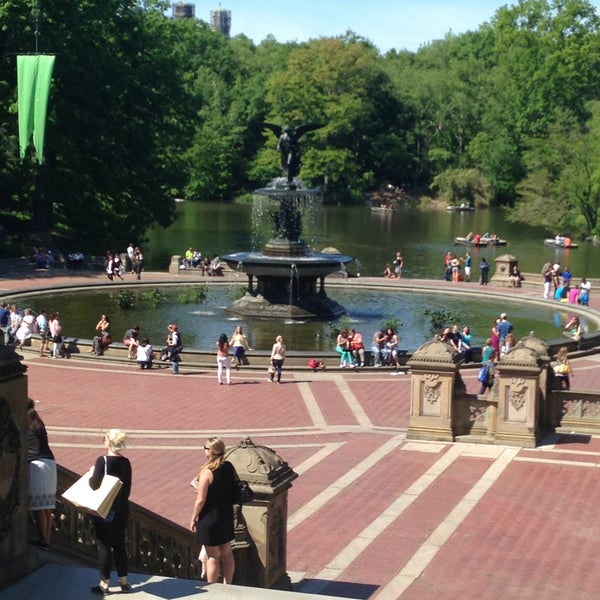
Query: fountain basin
<point>314,264</point>
<point>287,287</point>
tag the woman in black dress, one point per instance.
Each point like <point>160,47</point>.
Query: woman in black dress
<point>212,517</point>
<point>110,532</point>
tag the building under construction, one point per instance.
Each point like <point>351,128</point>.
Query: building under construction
<point>220,20</point>
<point>183,10</point>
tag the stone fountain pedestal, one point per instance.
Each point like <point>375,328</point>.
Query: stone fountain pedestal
<point>287,279</point>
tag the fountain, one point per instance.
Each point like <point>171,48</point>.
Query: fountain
<point>287,279</point>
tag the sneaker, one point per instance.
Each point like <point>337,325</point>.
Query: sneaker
<point>101,591</point>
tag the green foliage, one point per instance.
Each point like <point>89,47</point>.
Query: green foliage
<point>462,185</point>
<point>391,322</point>
<point>152,298</point>
<point>144,107</point>
<point>335,327</point>
<point>440,318</point>
<point>193,295</point>
<point>126,299</point>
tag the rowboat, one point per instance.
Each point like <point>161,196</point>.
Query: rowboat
<point>460,207</point>
<point>482,243</point>
<point>382,209</point>
<point>561,244</point>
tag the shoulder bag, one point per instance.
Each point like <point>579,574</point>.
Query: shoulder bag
<point>94,502</point>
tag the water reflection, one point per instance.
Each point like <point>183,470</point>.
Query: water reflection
<point>423,237</point>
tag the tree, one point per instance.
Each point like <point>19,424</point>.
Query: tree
<point>562,188</point>
<point>458,186</point>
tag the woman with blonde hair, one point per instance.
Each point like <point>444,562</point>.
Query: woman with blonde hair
<point>212,515</point>
<point>277,357</point>
<point>562,369</point>
<point>239,344</point>
<point>110,532</point>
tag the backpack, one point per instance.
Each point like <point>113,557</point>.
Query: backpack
<point>484,373</point>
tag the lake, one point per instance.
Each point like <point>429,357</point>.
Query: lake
<point>373,239</point>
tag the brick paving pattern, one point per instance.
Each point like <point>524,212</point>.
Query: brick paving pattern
<point>371,514</point>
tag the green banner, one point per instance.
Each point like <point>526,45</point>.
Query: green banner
<point>34,74</point>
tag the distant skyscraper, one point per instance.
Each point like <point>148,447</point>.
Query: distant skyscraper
<point>220,20</point>
<point>183,10</point>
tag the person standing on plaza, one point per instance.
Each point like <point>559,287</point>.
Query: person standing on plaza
<point>42,327</point>
<point>42,476</point>
<point>584,292</point>
<point>129,260</point>
<point>484,269</point>
<point>239,344</point>
<point>174,347</point>
<point>55,328</point>
<point>110,532</point>
<point>277,357</point>
<point>117,266</point>
<point>138,263</point>
<point>486,373</point>
<point>547,274</point>
<point>504,328</point>
<point>212,515</point>
<point>398,265</point>
<point>223,359</point>
<point>468,261</point>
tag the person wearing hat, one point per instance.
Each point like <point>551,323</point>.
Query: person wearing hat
<point>504,328</point>
<point>110,532</point>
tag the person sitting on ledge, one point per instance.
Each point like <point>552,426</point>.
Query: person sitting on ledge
<point>515,277</point>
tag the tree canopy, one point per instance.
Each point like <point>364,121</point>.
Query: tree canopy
<point>145,108</point>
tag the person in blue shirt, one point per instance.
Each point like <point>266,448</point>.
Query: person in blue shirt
<point>504,327</point>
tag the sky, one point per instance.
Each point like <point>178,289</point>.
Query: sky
<point>388,24</point>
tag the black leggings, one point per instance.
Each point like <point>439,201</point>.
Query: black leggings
<point>110,539</point>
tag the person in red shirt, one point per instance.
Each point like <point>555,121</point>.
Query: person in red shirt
<point>357,347</point>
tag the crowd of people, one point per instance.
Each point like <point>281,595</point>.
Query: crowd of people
<point>192,259</point>
<point>558,284</point>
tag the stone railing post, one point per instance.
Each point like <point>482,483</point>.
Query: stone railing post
<point>504,267</point>
<point>521,386</point>
<point>14,473</point>
<point>266,516</point>
<point>175,264</point>
<point>434,381</point>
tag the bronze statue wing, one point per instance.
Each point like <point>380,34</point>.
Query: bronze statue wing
<point>302,129</point>
<point>276,129</point>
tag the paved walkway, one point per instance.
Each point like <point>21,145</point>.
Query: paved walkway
<point>371,515</point>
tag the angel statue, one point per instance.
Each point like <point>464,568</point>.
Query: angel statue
<point>287,144</point>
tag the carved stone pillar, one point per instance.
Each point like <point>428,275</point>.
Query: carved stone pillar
<point>518,377</point>
<point>270,478</point>
<point>434,381</point>
<point>504,267</point>
<point>14,474</point>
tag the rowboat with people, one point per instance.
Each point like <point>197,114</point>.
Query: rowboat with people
<point>561,242</point>
<point>480,242</point>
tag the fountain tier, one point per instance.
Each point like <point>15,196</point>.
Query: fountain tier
<point>287,279</point>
